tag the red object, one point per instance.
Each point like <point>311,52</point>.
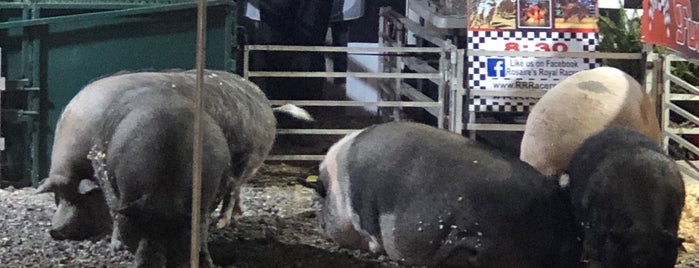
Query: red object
<point>670,23</point>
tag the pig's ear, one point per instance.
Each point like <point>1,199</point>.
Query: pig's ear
<point>87,186</point>
<point>50,184</point>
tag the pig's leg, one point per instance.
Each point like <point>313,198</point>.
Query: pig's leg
<point>230,200</point>
<point>150,253</point>
<point>224,217</point>
<point>127,233</point>
<point>204,256</point>
<point>231,210</point>
<point>115,243</point>
<point>178,245</point>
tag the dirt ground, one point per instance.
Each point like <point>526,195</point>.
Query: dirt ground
<point>279,228</point>
<point>283,230</point>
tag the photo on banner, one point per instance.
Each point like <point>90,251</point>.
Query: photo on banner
<point>534,14</point>
<point>578,15</point>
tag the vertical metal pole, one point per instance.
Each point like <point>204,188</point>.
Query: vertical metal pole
<point>469,99</point>
<point>457,89</point>
<point>382,56</point>
<point>396,92</point>
<point>665,120</point>
<point>35,103</point>
<point>460,91</point>
<point>442,86</point>
<point>471,117</point>
<point>246,62</point>
<point>451,123</point>
<point>197,146</point>
<point>397,68</point>
<point>2,140</point>
<point>29,158</point>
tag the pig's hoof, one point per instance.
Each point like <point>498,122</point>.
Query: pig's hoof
<point>206,262</point>
<point>228,217</point>
<point>223,222</point>
<point>116,244</point>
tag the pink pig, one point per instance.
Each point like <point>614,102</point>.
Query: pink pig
<point>580,106</point>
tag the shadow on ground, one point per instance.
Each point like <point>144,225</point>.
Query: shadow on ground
<point>272,253</point>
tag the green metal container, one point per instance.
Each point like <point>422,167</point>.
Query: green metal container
<point>51,49</point>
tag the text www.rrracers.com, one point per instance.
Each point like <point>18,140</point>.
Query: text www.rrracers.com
<point>523,84</point>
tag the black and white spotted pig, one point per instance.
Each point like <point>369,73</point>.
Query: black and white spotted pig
<point>432,197</point>
<point>628,196</point>
<point>238,106</point>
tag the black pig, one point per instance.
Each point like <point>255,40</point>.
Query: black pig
<point>628,196</point>
<point>143,161</point>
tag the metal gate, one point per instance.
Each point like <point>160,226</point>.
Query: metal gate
<point>395,92</point>
<point>673,132</point>
<point>2,139</point>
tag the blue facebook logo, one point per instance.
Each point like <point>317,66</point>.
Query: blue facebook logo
<point>496,67</point>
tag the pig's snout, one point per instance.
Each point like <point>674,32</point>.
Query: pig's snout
<point>70,227</point>
<point>65,234</point>
<point>57,235</point>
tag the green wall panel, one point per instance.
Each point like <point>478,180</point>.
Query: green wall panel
<point>167,42</point>
<point>73,54</point>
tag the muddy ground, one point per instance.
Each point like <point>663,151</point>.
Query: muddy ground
<point>279,228</point>
<point>283,229</point>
